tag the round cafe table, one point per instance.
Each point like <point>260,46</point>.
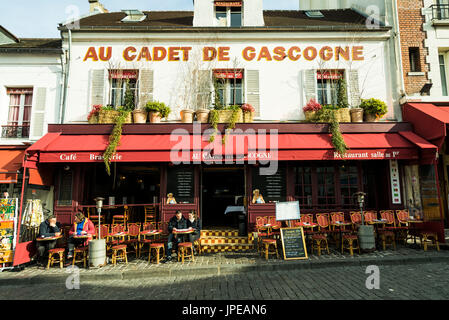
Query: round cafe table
<point>48,238</point>
<point>183,231</point>
<point>150,233</point>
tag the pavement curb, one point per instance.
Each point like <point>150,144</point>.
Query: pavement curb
<point>218,270</point>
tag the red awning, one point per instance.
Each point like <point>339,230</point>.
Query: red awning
<point>429,121</point>
<point>10,163</point>
<point>172,148</point>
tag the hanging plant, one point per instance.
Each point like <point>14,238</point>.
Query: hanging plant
<point>231,125</point>
<point>327,114</point>
<point>114,139</point>
<point>213,118</point>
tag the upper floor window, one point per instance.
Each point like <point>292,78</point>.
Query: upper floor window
<point>19,113</point>
<point>415,63</point>
<point>229,86</point>
<point>328,82</point>
<point>120,82</point>
<point>228,13</point>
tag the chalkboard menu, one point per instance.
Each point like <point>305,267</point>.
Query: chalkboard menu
<point>180,182</point>
<point>271,187</point>
<point>293,243</point>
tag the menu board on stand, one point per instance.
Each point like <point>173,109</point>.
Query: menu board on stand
<point>180,182</point>
<point>8,231</point>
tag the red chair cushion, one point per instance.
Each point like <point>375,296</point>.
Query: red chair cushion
<point>81,249</point>
<point>269,241</point>
<point>119,247</point>
<point>263,234</point>
<point>119,216</point>
<point>319,237</point>
<point>56,250</point>
<point>350,236</point>
<point>156,245</point>
<point>146,241</point>
<point>185,244</point>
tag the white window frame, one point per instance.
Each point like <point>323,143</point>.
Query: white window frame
<point>445,56</point>
<point>21,109</point>
<point>228,16</point>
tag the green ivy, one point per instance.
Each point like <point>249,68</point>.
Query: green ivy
<point>114,139</point>
<point>213,119</point>
<point>129,98</point>
<point>328,115</point>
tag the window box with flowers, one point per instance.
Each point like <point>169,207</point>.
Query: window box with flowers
<point>311,108</point>
<point>92,117</point>
<point>248,112</point>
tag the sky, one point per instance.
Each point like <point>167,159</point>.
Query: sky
<point>40,18</point>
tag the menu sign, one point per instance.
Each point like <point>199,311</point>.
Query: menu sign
<point>180,182</point>
<point>271,187</point>
<point>293,243</point>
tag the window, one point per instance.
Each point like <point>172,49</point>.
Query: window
<point>443,75</point>
<point>327,86</point>
<point>303,186</point>
<point>19,113</point>
<point>415,64</point>
<point>65,188</point>
<point>326,185</point>
<point>228,14</point>
<point>120,81</point>
<point>349,184</point>
<point>229,86</point>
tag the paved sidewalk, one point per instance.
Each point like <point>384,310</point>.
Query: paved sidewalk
<point>224,264</point>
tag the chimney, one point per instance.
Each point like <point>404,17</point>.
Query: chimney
<point>97,7</point>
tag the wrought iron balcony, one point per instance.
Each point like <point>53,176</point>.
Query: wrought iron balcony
<point>15,131</point>
<point>440,11</point>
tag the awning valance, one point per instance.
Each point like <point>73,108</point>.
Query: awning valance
<point>247,147</point>
<point>10,163</point>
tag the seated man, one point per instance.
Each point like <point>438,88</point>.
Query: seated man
<point>48,228</point>
<point>82,226</point>
<point>176,222</point>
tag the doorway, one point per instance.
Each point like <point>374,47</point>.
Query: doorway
<point>221,187</point>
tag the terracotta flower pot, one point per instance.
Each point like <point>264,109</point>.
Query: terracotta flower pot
<point>155,116</point>
<point>370,117</point>
<point>356,115</point>
<point>140,116</point>
<point>186,116</point>
<point>202,115</point>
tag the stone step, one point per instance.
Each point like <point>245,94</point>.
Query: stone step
<point>225,240</point>
<point>213,248</point>
<point>220,233</point>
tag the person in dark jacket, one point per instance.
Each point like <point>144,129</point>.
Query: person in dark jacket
<point>48,228</point>
<point>194,222</point>
<point>176,222</point>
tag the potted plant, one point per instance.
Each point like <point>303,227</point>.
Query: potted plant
<point>92,117</point>
<point>311,109</point>
<point>107,114</point>
<point>140,115</point>
<point>248,112</point>
<point>342,102</point>
<point>202,115</point>
<point>157,110</point>
<point>374,109</point>
<point>356,114</point>
<point>187,116</point>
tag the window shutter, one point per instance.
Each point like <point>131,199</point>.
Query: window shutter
<point>204,90</point>
<point>309,85</point>
<point>353,81</point>
<point>252,90</point>
<point>38,114</point>
<point>97,86</point>
<point>146,87</point>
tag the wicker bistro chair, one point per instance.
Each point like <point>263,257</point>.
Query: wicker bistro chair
<point>133,237</point>
<point>275,226</point>
<point>402,223</point>
<point>386,234</point>
<point>93,216</point>
<point>263,232</point>
<point>121,218</point>
<point>319,240</point>
<point>150,214</point>
<point>356,219</point>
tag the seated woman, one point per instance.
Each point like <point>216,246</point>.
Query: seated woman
<point>171,199</point>
<point>194,222</point>
<point>257,197</point>
<point>82,226</point>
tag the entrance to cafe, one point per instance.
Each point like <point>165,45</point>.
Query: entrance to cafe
<point>221,187</point>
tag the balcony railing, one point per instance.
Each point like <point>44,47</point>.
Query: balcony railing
<point>440,11</point>
<point>15,131</point>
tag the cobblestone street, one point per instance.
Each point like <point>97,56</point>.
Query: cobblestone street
<point>418,281</point>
